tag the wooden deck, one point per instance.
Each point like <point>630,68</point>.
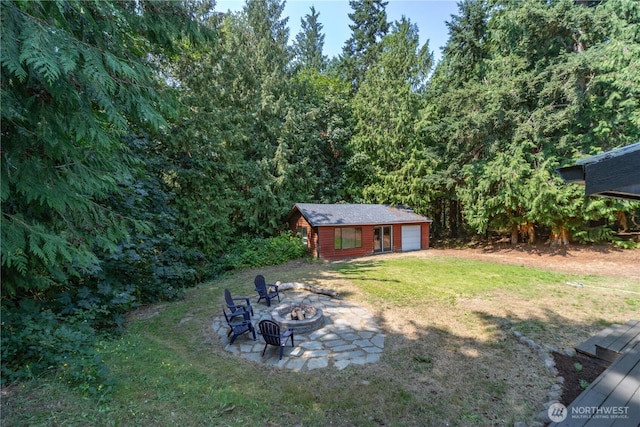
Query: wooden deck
<point>609,343</point>
<point>613,399</point>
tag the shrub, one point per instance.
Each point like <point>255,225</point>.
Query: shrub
<point>259,252</point>
<point>35,340</point>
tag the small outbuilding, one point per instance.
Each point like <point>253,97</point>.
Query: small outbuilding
<point>351,230</point>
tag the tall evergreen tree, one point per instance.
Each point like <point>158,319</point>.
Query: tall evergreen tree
<point>318,130</point>
<point>362,49</point>
<point>452,125</point>
<point>231,137</point>
<point>261,42</point>
<point>505,107</point>
<point>200,162</point>
<point>78,80</point>
<point>309,43</point>
<point>387,153</point>
<point>467,44</point>
<point>548,110</point>
<point>76,77</point>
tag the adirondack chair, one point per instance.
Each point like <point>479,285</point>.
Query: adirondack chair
<point>233,306</point>
<point>265,290</point>
<point>239,323</point>
<point>272,335</point>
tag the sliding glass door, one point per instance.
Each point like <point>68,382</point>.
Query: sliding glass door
<point>382,239</point>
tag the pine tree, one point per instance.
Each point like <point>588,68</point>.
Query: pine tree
<point>506,106</point>
<point>466,47</point>
<point>452,126</point>
<point>385,110</point>
<point>309,43</point>
<point>362,49</point>
<point>232,141</point>
<point>319,129</point>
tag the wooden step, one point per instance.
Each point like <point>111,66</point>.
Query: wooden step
<point>610,348</point>
<point>588,347</point>
<point>628,338</point>
<point>610,342</point>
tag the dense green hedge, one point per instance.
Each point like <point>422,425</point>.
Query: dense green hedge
<point>259,252</point>
<point>60,332</point>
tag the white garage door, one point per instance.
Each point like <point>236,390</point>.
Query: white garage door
<point>410,238</point>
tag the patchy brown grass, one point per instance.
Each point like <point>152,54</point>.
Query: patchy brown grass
<point>449,359</point>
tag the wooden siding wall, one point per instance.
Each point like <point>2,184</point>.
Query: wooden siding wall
<point>326,249</point>
<point>298,221</point>
<point>320,239</point>
<point>424,240</point>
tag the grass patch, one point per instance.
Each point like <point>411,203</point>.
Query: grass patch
<point>405,280</point>
<point>449,357</point>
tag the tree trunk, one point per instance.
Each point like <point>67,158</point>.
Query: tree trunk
<point>528,231</point>
<point>460,219</point>
<point>622,220</point>
<point>561,237</point>
<point>514,234</point>
<point>453,218</point>
<point>436,226</point>
<point>310,288</point>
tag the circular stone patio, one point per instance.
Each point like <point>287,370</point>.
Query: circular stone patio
<point>348,335</point>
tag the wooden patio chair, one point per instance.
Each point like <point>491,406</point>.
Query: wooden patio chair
<point>239,323</point>
<point>272,334</point>
<point>265,290</point>
<point>245,304</point>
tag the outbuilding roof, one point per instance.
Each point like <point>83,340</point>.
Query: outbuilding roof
<point>318,214</point>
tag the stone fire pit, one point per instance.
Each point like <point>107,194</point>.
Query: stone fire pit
<point>299,317</point>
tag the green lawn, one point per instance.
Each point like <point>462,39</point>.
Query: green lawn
<point>450,356</point>
<point>405,280</point>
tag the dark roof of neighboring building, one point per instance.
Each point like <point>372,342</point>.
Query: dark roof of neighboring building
<point>318,214</point>
<point>622,151</point>
<point>615,173</point>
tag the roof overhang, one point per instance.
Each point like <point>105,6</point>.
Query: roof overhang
<point>615,173</point>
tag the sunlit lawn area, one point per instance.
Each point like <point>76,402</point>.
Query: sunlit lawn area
<point>450,355</point>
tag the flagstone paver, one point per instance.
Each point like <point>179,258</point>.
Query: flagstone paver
<point>349,335</point>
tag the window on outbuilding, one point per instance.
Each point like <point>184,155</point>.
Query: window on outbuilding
<point>347,238</point>
<point>302,231</point>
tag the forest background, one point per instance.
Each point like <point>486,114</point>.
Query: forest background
<point>147,146</point>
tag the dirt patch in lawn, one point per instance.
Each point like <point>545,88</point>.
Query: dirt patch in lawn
<point>565,329</point>
<point>591,260</point>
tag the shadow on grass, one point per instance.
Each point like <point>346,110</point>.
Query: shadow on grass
<point>441,365</point>
<point>570,251</point>
<point>432,374</point>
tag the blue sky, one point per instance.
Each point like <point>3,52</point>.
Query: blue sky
<point>429,15</point>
